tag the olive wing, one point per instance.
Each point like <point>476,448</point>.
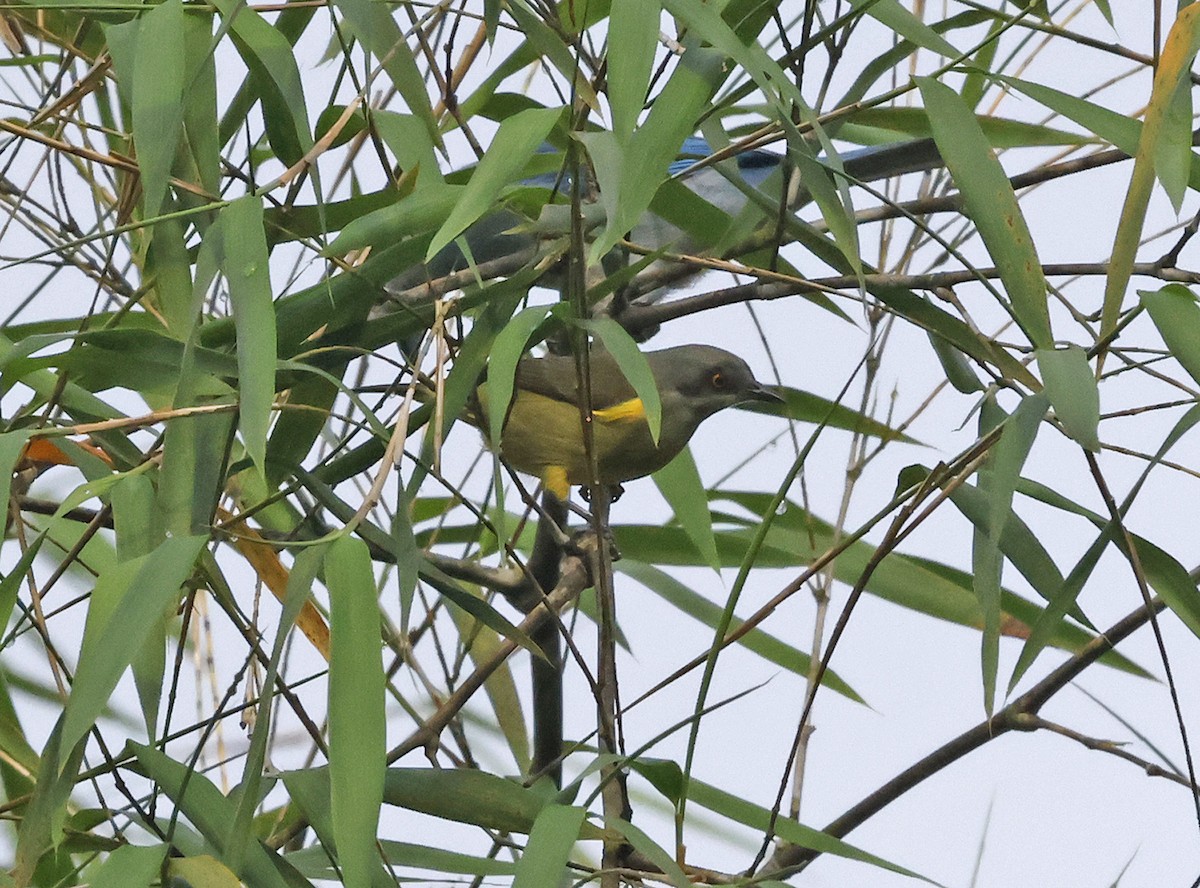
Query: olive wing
<point>554,377</point>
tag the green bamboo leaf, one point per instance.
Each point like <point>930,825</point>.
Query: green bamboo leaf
<point>651,850</point>
<point>633,365</point>
<point>1063,601</point>
<point>275,77</point>
<point>424,857</point>
<point>517,139</point>
<point>193,471</point>
<point>158,83</point>
<point>138,530</point>
<point>247,269</point>
<point>211,813</point>
<point>680,484</point>
<point>1020,614</point>
<point>830,192</point>
<point>934,320</point>
<point>145,361</point>
<point>500,687</point>
<point>629,175</point>
<point>203,871</point>
<point>445,586</point>
<point>1118,129</point>
<point>697,606</point>
<point>249,792</point>
<point>721,28</point>
<point>168,265</point>
<point>491,18</point>
<point>737,809</point>
<point>300,423</point>
<point>989,200</point>
<point>955,365</point>
<point>373,24</point>
<point>798,537</point>
<point>425,210</point>
<point>998,481</point>
<point>665,775</point>
<point>12,445</point>
<point>460,387</point>
<point>896,18</point>
<point>1173,154</point>
<point>549,847</point>
<point>31,61</point>
<point>313,862</point>
<point>473,797</point>
<point>309,791</point>
<point>200,109</point>
<point>130,866</point>
<point>1175,313</point>
<point>507,349</point>
<point>1174,69</point>
<point>548,43</point>
<point>978,79</point>
<point>1074,395</point>
<point>889,123</point>
<point>408,555</point>
<point>136,594</point>
<point>357,724</point>
<point>802,406</point>
<point>1018,543</point>
<point>632,40</point>
<point>44,817</point>
<point>10,586</point>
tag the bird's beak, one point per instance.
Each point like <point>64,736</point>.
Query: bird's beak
<point>762,393</point>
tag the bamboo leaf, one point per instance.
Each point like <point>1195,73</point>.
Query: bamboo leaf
<point>357,726</point>
<point>129,602</point>
<point>158,81</point>
<point>989,200</point>
<point>549,847</point>
<point>633,365</point>
<point>130,866</point>
<point>1177,317</point>
<point>680,484</point>
<point>247,268</point>
<point>1173,72</point>
<point>1074,395</point>
<point>517,139</point>
<point>632,40</point>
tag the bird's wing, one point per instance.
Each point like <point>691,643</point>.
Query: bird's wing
<point>554,377</point>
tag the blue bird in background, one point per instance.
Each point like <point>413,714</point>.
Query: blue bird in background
<point>499,236</point>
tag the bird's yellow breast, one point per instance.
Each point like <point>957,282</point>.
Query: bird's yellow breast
<point>544,437</point>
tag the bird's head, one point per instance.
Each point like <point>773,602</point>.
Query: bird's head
<point>699,380</point>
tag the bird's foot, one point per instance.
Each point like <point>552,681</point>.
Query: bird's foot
<point>615,491</point>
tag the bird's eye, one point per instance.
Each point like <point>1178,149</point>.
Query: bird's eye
<point>717,380</point>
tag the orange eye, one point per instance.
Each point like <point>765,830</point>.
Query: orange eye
<point>717,380</point>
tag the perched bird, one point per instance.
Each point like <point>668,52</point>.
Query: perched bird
<point>542,433</point>
<point>497,236</point>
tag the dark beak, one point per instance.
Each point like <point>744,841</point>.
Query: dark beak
<point>761,393</point>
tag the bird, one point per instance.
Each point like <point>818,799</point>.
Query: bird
<point>499,234</point>
<point>542,433</point>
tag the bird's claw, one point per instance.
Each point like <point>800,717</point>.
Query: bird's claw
<point>615,492</point>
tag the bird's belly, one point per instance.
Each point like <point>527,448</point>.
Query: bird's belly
<point>542,433</point>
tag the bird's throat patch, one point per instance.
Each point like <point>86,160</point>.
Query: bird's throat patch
<point>626,411</point>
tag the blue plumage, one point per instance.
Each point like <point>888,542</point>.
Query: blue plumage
<point>493,238</point>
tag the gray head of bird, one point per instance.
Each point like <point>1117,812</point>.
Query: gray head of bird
<point>698,380</point>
